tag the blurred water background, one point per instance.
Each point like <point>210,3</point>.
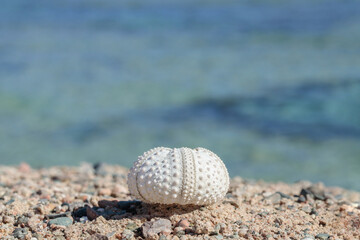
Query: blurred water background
<point>272,87</point>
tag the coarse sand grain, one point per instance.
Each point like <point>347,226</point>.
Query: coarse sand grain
<point>93,202</point>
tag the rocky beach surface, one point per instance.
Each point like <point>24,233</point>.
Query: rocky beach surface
<point>93,202</point>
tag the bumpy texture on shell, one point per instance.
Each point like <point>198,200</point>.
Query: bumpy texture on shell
<point>180,175</point>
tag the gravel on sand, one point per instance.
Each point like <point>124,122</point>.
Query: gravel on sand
<point>93,202</point>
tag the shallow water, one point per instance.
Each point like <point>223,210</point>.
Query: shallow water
<point>271,86</point>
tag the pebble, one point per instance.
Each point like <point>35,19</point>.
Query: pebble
<point>218,237</point>
<point>243,230</point>
<point>80,212</point>
<point>132,226</point>
<point>52,216</point>
<point>317,190</point>
<point>238,222</point>
<point>283,195</point>
<point>322,236</point>
<point>91,213</point>
<point>274,198</point>
<point>301,199</point>
<point>127,234</point>
<point>179,231</point>
<point>220,228</point>
<point>184,223</point>
<point>8,219</point>
<point>151,228</point>
<point>105,192</point>
<point>232,202</point>
<point>107,203</point>
<point>75,205</point>
<point>306,209</point>
<point>61,221</point>
<point>308,238</point>
<point>22,220</point>
<point>20,233</point>
<point>234,236</point>
<point>84,219</point>
<point>118,190</point>
<point>98,237</point>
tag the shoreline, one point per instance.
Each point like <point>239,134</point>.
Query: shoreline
<point>88,202</point>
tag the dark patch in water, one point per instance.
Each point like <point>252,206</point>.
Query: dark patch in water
<point>266,114</point>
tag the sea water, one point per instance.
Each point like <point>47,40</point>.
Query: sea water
<point>272,87</point>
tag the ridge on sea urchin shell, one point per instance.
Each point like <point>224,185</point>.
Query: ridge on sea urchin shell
<point>180,175</point>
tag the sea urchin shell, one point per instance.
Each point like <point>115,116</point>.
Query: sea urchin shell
<point>180,175</point>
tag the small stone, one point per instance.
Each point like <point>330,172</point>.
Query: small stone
<point>301,199</point>
<point>163,237</point>
<point>329,201</point>
<point>105,192</point>
<point>8,219</point>
<point>221,227</point>
<point>10,201</point>
<point>132,226</point>
<point>322,236</point>
<point>61,221</point>
<point>118,190</point>
<point>317,190</point>
<point>20,233</point>
<point>274,198</point>
<point>203,227</point>
<point>57,215</point>
<point>151,228</point>
<point>57,237</point>
<point>234,236</point>
<point>94,201</point>
<point>76,205</point>
<point>127,234</point>
<point>184,223</point>
<point>306,209</point>
<point>84,219</point>
<point>232,202</point>
<point>111,234</point>
<point>98,237</point>
<point>218,237</point>
<point>22,220</point>
<point>91,213</point>
<point>243,230</point>
<point>283,195</point>
<point>308,237</point>
<point>80,212</point>
<point>107,203</point>
<point>37,236</point>
<point>314,212</point>
<point>179,231</point>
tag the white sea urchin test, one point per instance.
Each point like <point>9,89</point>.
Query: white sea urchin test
<point>180,175</point>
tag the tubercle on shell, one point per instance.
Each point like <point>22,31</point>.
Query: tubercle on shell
<point>180,175</point>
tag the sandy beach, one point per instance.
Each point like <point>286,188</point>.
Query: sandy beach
<point>93,202</point>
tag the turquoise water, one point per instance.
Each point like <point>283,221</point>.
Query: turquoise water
<point>272,87</point>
